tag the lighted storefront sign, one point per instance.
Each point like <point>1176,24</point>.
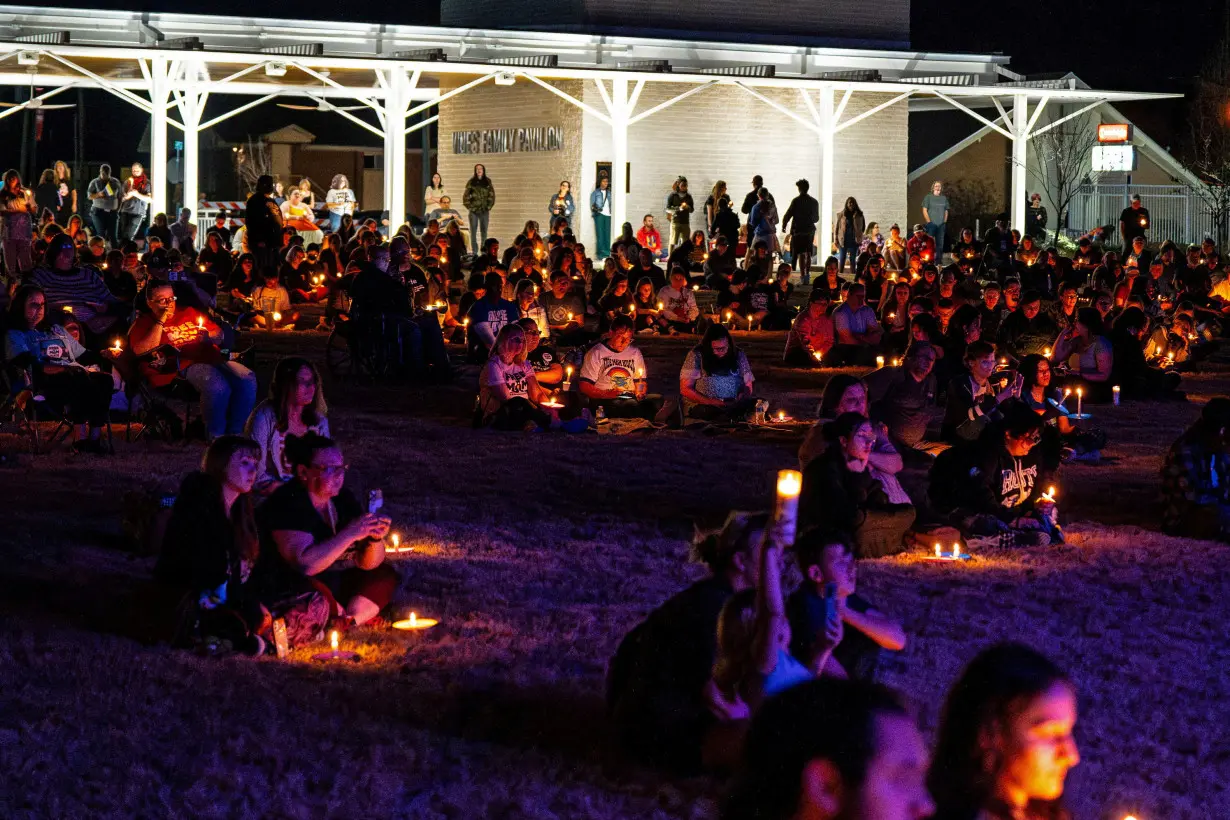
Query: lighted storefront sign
<point>508,140</point>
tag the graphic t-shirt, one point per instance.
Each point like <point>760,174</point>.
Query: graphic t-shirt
<point>515,378</point>
<point>188,332</point>
<point>493,314</point>
<point>543,358</point>
<point>558,308</point>
<point>608,370</point>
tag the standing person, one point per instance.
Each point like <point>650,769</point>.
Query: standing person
<point>752,197</point>
<point>17,214</point>
<point>725,224</point>
<point>762,229</point>
<point>600,207</point>
<point>306,195</point>
<point>68,193</point>
<point>1035,218</point>
<point>1133,222</point>
<point>478,198</point>
<point>104,194</point>
<point>183,231</point>
<point>935,216</point>
<point>561,205</point>
<point>339,201</point>
<point>804,211</point>
<point>134,205</point>
<point>711,204</point>
<point>679,207</point>
<point>848,230</point>
<point>47,196</point>
<point>263,224</point>
<point>1005,744</point>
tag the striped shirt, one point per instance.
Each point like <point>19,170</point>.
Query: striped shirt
<point>77,288</point>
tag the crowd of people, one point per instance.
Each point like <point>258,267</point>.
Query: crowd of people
<point>978,358</point>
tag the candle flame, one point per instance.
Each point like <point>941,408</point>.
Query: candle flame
<point>333,640</point>
<point>939,551</point>
<point>396,540</point>
<point>789,483</point>
<point>414,619</point>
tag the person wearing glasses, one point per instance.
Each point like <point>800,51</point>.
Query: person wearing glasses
<point>295,407</point>
<point>183,342</point>
<point>973,398</point>
<point>315,533</point>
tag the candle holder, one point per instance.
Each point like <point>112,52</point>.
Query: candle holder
<point>414,623</point>
<point>335,654</point>
<point>955,555</point>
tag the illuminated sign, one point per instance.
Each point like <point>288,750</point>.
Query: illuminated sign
<point>1114,158</point>
<point>1114,132</point>
<point>508,140</point>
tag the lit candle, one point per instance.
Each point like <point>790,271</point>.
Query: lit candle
<point>200,323</point>
<point>1003,361</point>
<point>68,309</point>
<point>414,623</point>
<point>659,305</point>
<point>1114,391</point>
<point>396,542</point>
<point>896,362</point>
<point>892,316</point>
<point>1079,393</point>
<point>818,355</point>
<point>202,267</point>
<point>1049,495</point>
<point>333,640</point>
<point>749,324</point>
<point>781,415</point>
<point>879,361</point>
<point>786,512</point>
<point>956,549</point>
<point>939,551</point>
<point>570,317</point>
<point>1046,351</point>
<point>277,317</point>
<point>696,287</point>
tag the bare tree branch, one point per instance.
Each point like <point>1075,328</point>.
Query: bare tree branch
<point>1207,147</point>
<point>1062,162</point>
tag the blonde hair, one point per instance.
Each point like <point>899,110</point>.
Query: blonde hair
<point>736,633</point>
<point>505,336</point>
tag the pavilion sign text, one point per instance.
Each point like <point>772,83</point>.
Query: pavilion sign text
<point>508,140</point>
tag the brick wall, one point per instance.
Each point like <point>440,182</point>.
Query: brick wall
<point>524,182</point>
<point>887,21</point>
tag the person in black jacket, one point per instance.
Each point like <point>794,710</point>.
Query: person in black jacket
<point>751,198</point>
<point>804,211</point>
<point>839,491</point>
<point>263,223</point>
<point>211,546</point>
<point>725,223</point>
<point>973,398</point>
<point>994,490</point>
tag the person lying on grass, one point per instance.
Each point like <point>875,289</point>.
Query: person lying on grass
<point>295,407</point>
<point>1005,743</point>
<point>832,749</point>
<point>316,536</point>
<point>826,557</point>
<point>992,489</point>
<point>658,676</point>
<point>211,546</point>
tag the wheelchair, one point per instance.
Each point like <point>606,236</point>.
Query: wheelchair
<point>365,347</point>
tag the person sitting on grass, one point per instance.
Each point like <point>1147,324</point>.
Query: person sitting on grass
<point>1130,367</point>
<point>840,491</point>
<point>857,331</point>
<point>546,361</point>
<point>830,749</point>
<point>811,337</point>
<point>1061,439</point>
<point>316,536</point>
<point>657,679</point>
<point>973,401</point>
<point>645,306</point>
<point>992,489</point>
<point>565,309</point>
<point>528,307</point>
<point>271,303</point>
<point>826,557</point>
<point>211,546</point>
<point>45,358</point>
<point>488,315</point>
<point>613,376</point>
<point>184,343</point>
<point>295,407</point>
<point>509,397</point>
<point>1027,329</point>
<point>615,301</point>
<point>1087,354</point>
<point>1195,490</point>
<point>901,398</point>
<point>1005,744</point>
<point>679,310</point>
<point>716,380</point>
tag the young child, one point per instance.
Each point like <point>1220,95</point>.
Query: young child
<point>826,560</point>
<point>271,302</point>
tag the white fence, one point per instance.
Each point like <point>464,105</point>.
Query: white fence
<point>1175,211</point>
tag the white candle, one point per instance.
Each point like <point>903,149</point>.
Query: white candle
<point>939,551</point>
<point>879,361</point>
<point>956,549</point>
<point>1115,394</point>
<point>333,640</point>
<point>396,541</point>
<point>1079,392</point>
<point>786,512</point>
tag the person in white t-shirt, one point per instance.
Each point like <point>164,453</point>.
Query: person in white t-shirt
<point>613,375</point>
<point>509,396</point>
<point>679,310</point>
<point>339,201</point>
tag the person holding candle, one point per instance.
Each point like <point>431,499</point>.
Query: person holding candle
<point>901,398</point>
<point>565,308</point>
<point>295,407</point>
<point>1087,355</point>
<point>1130,368</point>
<point>645,308</point>
<point>1195,491</point>
<point>973,400</point>
<point>546,361</point>
<point>613,376</point>
<point>45,357</point>
<point>1005,745</point>
<point>216,257</point>
<point>561,206</point>
<point>79,287</point>
<point>857,332</point>
<point>510,397</point>
<point>134,204</point>
<point>18,213</point>
<point>526,297</point>
<point>316,536</point>
<point>811,335</point>
<point>210,548</point>
<point>271,303</point>
<point>826,557</point>
<point>1060,436</point>
<point>227,388</point>
<point>716,382</point>
<point>679,311</point>
<point>840,491</point>
<point>1026,329</point>
<point>488,315</point>
<point>615,301</point>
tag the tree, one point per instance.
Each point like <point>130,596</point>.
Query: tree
<point>252,161</point>
<point>1062,163</point>
<point>972,201</point>
<point>1206,150</point>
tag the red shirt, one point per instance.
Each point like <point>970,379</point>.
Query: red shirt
<point>187,331</point>
<point>649,238</point>
<point>923,245</point>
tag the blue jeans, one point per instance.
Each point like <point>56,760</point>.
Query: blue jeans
<point>228,394</point>
<point>104,224</point>
<point>850,251</point>
<point>602,232</point>
<point>937,233</point>
<point>335,222</point>
<point>478,224</point>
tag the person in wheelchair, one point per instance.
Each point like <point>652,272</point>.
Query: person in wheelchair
<point>182,342</point>
<point>45,359</point>
<point>381,309</point>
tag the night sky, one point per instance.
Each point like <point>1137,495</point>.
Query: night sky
<point>1112,45</point>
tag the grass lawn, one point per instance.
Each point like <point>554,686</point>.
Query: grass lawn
<point>538,552</point>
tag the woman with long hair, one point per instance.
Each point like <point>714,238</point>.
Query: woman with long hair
<point>339,201</point>
<point>510,397</point>
<point>1060,434</point>
<point>433,193</point>
<point>478,198</point>
<point>47,197</point>
<point>848,231</point>
<point>211,547</point>
<point>137,195</point>
<point>711,204</point>
<point>716,381</point>
<point>295,407</point>
<point>64,183</point>
<point>1005,742</point>
<point>561,205</point>
<point>615,300</point>
<point>18,212</point>
<point>1090,356</point>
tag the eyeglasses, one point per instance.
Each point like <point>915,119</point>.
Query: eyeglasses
<point>330,470</point>
<point>165,300</point>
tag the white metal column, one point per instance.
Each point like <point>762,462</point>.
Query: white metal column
<point>1020,155</point>
<point>190,99</point>
<point>619,154</point>
<point>395,147</point>
<point>824,111</point>
<point>157,171</point>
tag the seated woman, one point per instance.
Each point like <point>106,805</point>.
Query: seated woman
<point>510,397</point>
<point>1087,355</point>
<point>216,257</point>
<point>526,294</point>
<point>184,343</point>
<point>271,303</point>
<point>48,359</point>
<point>546,361</point>
<point>645,305</point>
<point>895,315</point>
<point>1060,437</point>
<point>992,489</point>
<point>655,687</point>
<point>830,282</point>
<point>973,401</point>
<point>615,301</point>
<point>81,288</point>
<point>1195,492</point>
<point>1005,743</point>
<point>811,336</point>
<point>211,546</point>
<point>316,537</point>
<point>1129,367</point>
<point>295,407</point>
<point>839,491</point>
<point>679,309</point>
<point>119,279</point>
<point>716,380</point>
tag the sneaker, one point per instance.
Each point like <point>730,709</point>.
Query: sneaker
<point>1017,539</point>
<point>981,543</point>
<point>1090,457</point>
